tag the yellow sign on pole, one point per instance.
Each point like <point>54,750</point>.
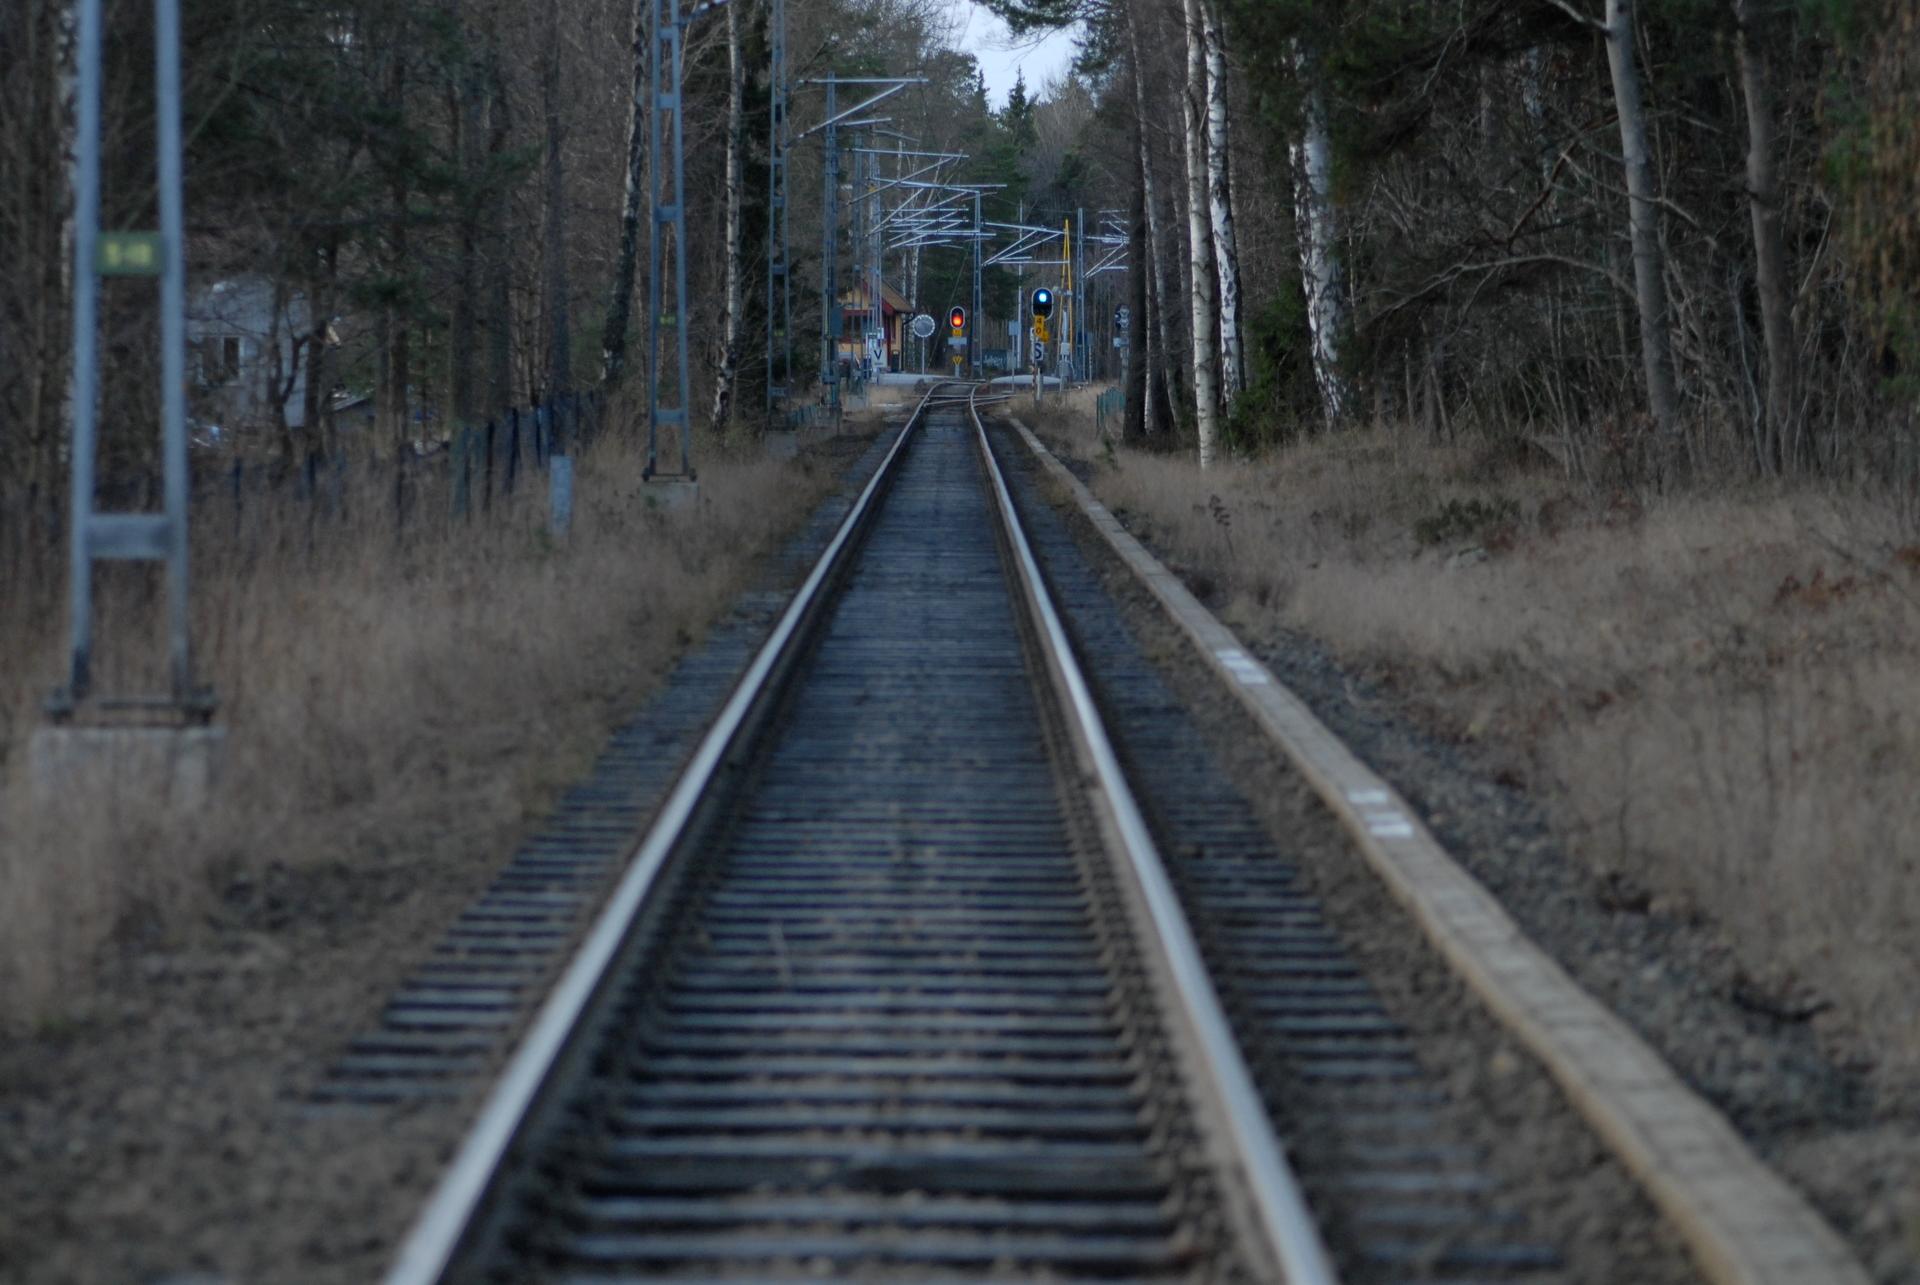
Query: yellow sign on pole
<point>128,254</point>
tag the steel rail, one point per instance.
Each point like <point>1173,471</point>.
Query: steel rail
<point>450,1214</point>
<point>1280,1211</point>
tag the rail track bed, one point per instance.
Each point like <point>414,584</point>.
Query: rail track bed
<point>899,989</point>
<point>1385,1147</point>
<point>888,1032</point>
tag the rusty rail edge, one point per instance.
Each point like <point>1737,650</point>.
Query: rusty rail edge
<point>1743,1224</point>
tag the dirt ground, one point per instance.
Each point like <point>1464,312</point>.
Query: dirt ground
<point>158,1131</point>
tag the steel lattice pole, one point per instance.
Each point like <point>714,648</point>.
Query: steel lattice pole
<point>779,285</point>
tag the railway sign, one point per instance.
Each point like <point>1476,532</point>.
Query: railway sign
<point>1039,352</point>
<point>1123,318</point>
<point>128,254</point>
<point>923,327</point>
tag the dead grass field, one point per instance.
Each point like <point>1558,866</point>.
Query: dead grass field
<point>1718,698</point>
<point>369,688</point>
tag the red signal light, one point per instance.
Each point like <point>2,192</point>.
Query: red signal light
<point>957,319</point>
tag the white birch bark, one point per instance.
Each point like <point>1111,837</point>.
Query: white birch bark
<point>1226,242</point>
<point>1649,260</point>
<point>1204,283</point>
<point>1318,233</point>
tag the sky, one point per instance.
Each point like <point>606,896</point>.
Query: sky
<point>986,38</point>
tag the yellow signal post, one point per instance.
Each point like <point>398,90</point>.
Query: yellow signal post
<point>1067,288</point>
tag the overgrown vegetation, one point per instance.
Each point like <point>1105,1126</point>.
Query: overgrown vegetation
<point>1712,696</point>
<point>370,687</point>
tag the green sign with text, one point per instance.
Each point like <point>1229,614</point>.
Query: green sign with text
<point>128,254</point>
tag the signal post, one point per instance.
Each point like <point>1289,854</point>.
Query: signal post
<point>1042,307</point>
<point>957,337</point>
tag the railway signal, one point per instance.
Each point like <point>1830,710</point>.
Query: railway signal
<point>957,339</point>
<point>1042,309</point>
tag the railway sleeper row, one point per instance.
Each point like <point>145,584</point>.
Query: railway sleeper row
<point>892,1021</point>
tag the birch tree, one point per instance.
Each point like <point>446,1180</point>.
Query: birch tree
<point>1322,277</point>
<point>1204,282</point>
<point>1226,244</point>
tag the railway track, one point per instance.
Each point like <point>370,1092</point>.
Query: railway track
<point>896,987</point>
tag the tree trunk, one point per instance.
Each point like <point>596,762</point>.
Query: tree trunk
<point>1779,444</point>
<point>1139,350</point>
<point>1649,260</point>
<point>613,345</point>
<point>554,254</point>
<point>395,322</point>
<point>734,302</point>
<point>1318,231</point>
<point>1163,380</point>
<point>499,256</point>
<point>322,290</point>
<point>1204,282</point>
<point>1226,242</point>
<point>54,30</point>
<point>463,325</point>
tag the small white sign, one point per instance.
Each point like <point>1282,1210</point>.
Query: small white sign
<point>923,327</point>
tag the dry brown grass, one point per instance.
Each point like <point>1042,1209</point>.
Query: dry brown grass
<point>1718,697</point>
<point>371,689</point>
